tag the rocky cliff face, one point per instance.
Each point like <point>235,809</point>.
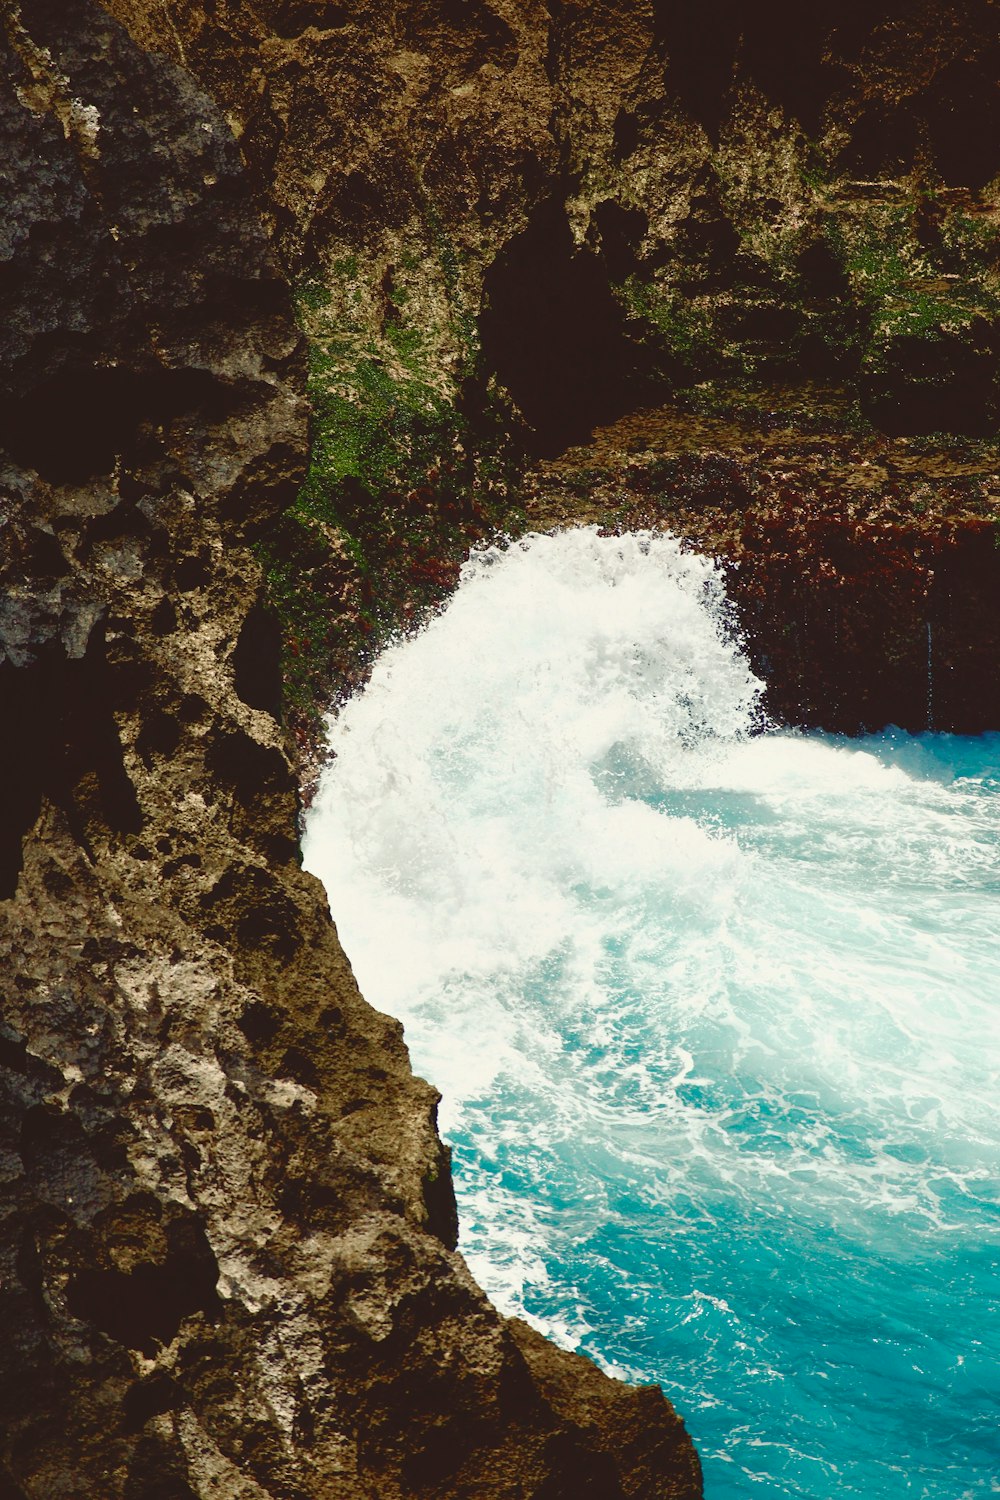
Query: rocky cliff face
<point>578,207</point>
<point>226,1255</point>
<point>226,1262</point>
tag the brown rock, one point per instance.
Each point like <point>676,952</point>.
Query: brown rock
<point>225,1248</point>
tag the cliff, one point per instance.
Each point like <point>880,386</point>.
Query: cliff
<point>472,232</point>
<point>507,221</point>
<point>226,1256</point>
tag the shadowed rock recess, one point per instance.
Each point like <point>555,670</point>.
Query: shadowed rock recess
<point>226,1263</point>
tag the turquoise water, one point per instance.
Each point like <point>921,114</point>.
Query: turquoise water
<point>715,1011</point>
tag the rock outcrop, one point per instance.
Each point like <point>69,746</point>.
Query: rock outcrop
<point>582,207</point>
<point>226,1247</point>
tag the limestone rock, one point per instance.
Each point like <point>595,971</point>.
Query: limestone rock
<point>226,1263</point>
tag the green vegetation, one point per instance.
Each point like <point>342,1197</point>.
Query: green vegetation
<point>408,468</point>
<point>684,327</point>
<point>917,270</point>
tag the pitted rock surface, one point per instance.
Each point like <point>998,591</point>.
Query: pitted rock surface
<point>226,1263</point>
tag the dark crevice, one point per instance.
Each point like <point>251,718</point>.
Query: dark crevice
<point>158,737</point>
<point>150,1398</point>
<point>249,768</point>
<point>259,1023</point>
<point>945,384</point>
<point>62,745</point>
<point>554,334</point>
<point>257,661</point>
<point>439,1201</point>
<point>143,1308</point>
<point>73,425</point>
<point>621,230</point>
<point>779,44</point>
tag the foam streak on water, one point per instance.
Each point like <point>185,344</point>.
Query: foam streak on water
<point>715,1014</point>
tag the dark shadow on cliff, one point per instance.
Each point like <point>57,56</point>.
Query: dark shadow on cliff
<point>554,334</point>
<point>945,384</point>
<point>61,745</point>
<point>144,1307</point>
<point>75,424</point>
<point>937,98</point>
<point>779,44</point>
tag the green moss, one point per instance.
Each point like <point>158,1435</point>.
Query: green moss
<point>406,470</point>
<point>315,640</point>
<point>680,327</point>
<point>915,271</point>
<point>313,295</point>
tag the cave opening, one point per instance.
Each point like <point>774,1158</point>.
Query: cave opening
<point>554,335</point>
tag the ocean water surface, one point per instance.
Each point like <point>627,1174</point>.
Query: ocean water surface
<point>715,1012</point>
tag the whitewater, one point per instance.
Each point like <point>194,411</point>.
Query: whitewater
<point>714,1009</point>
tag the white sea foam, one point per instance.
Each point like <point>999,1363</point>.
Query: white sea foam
<point>691,993</point>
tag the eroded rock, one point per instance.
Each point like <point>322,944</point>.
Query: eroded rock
<point>226,1263</point>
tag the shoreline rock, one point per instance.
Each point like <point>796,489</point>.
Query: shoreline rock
<point>863,571</point>
<point>226,1256</point>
